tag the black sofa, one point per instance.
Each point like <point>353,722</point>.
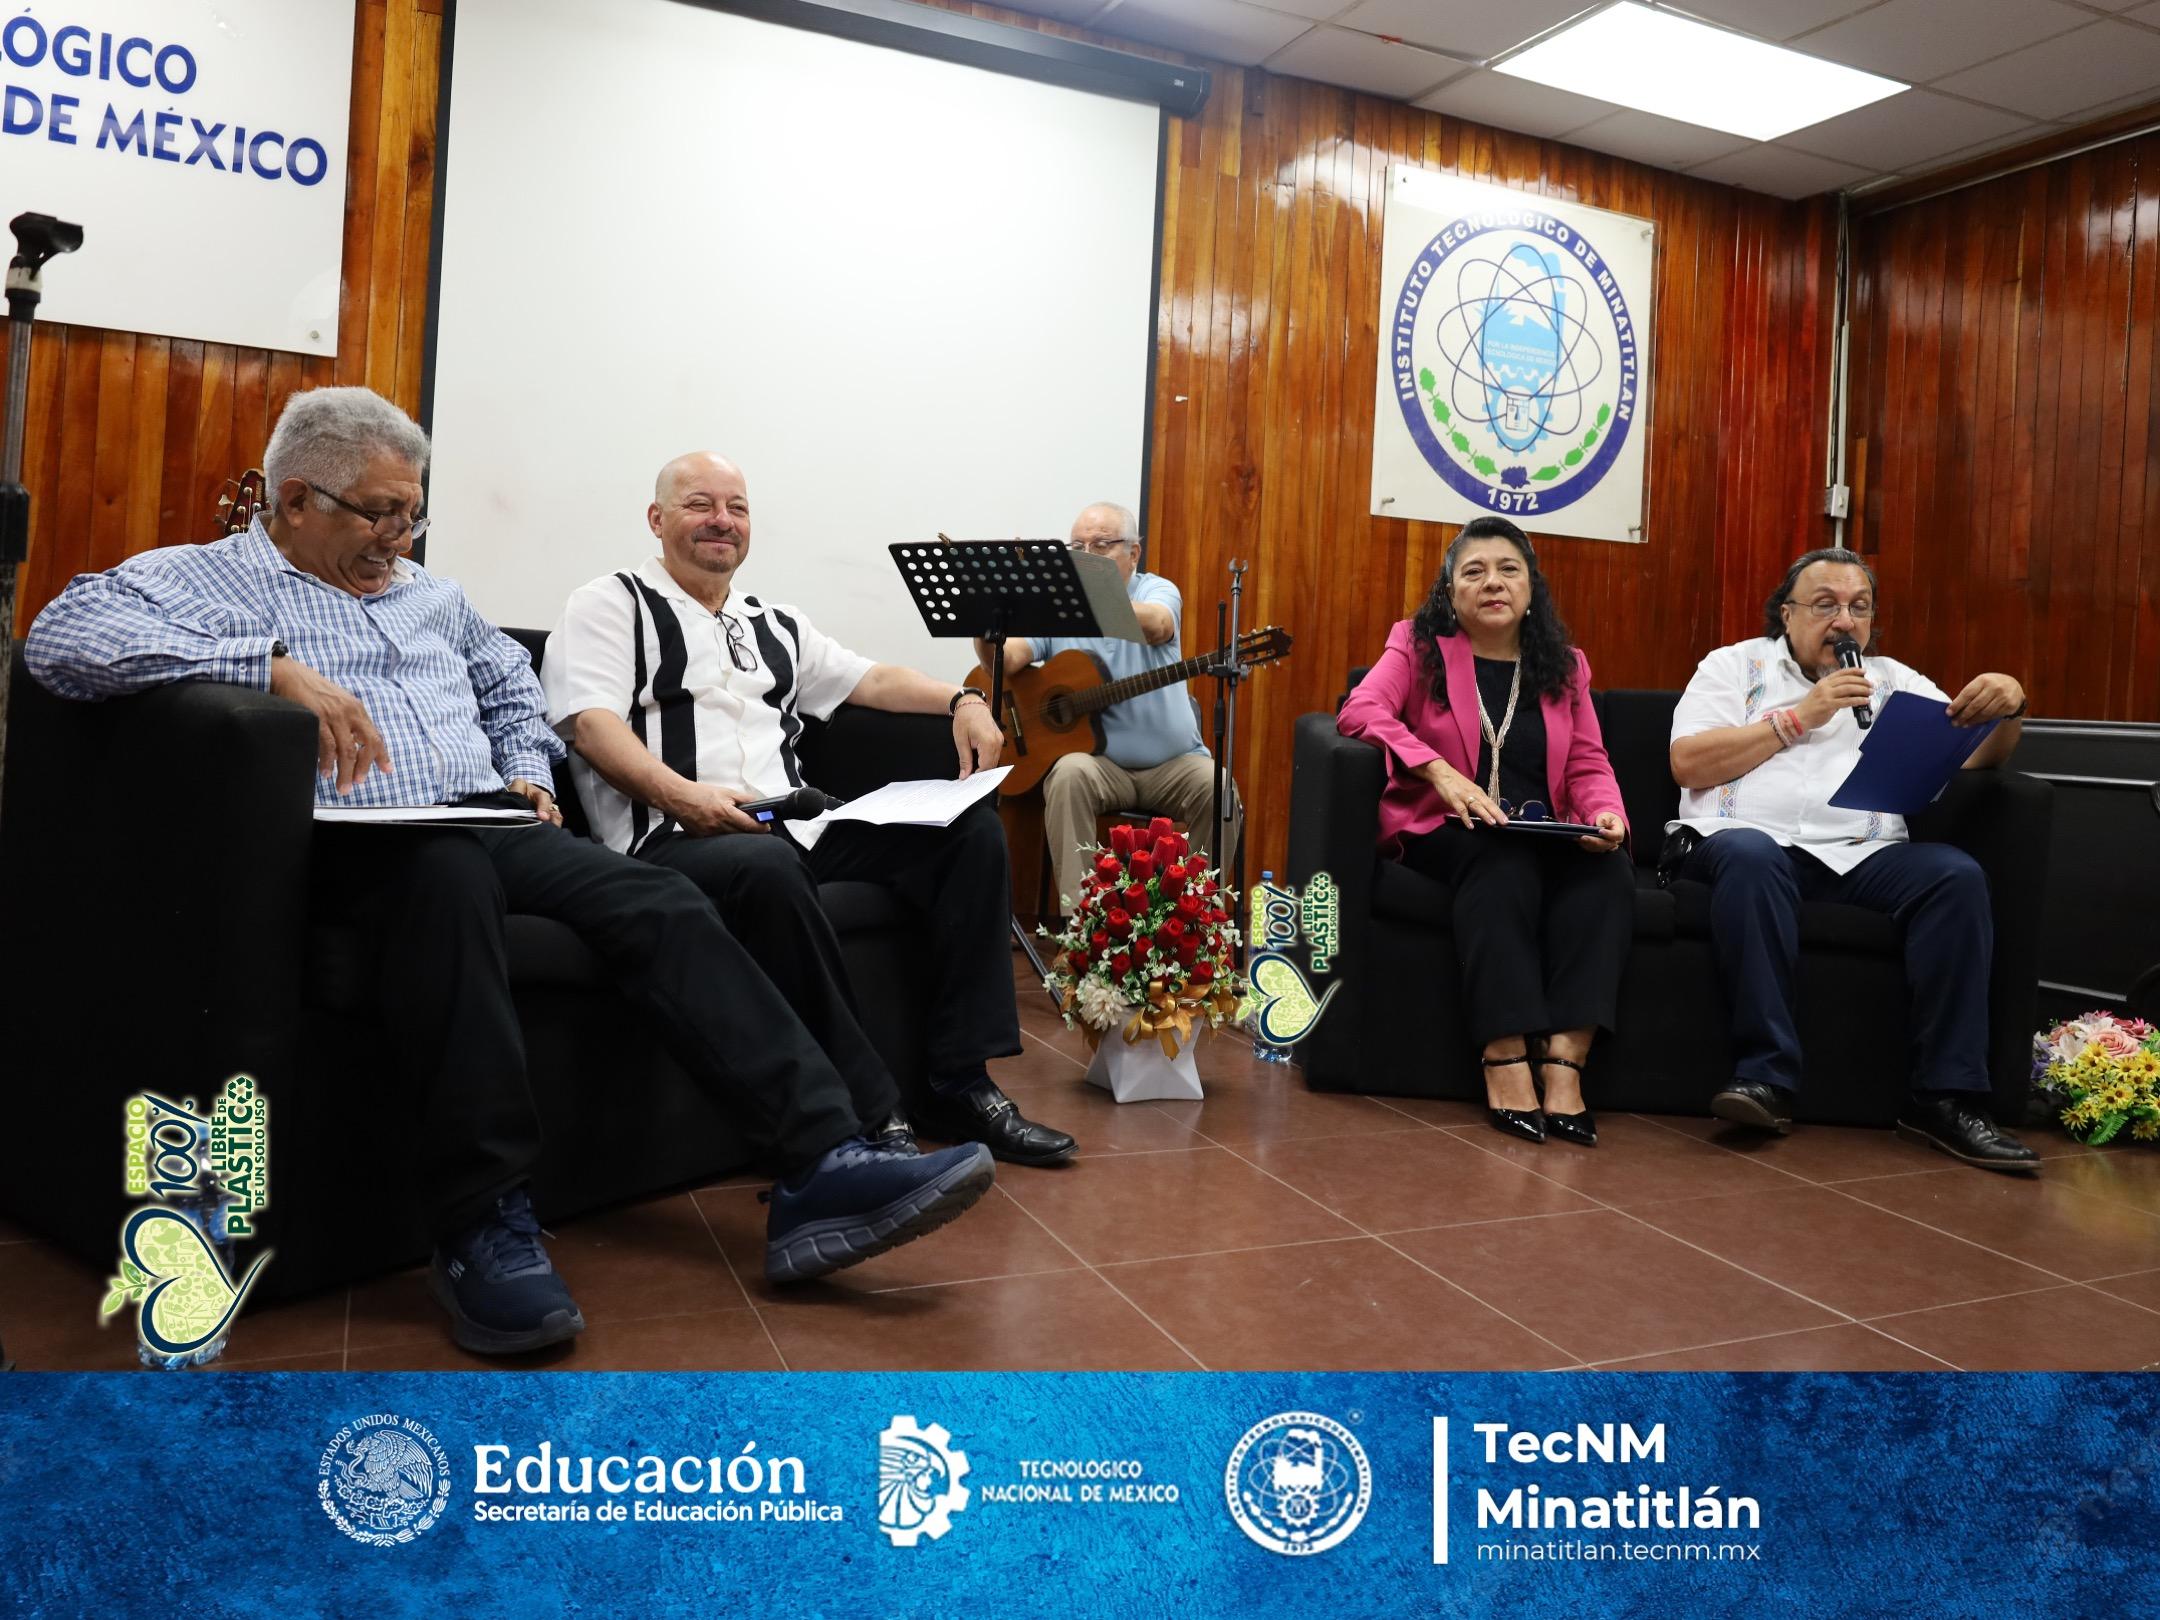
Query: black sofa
<point>154,857</point>
<point>1395,1027</point>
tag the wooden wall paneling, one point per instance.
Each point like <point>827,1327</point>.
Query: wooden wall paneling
<point>177,522</point>
<point>2101,410</point>
<point>2141,669</point>
<point>144,476</point>
<point>2004,383</point>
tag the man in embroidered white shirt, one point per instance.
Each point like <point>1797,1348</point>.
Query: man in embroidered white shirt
<point>1762,737</point>
<point>683,698</point>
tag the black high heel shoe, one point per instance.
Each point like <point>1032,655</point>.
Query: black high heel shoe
<point>1579,1128</point>
<point>1527,1124</point>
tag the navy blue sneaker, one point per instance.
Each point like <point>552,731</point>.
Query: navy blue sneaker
<point>499,1287</point>
<point>859,1200</point>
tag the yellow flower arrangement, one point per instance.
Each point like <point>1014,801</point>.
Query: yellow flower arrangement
<point>2104,1073</point>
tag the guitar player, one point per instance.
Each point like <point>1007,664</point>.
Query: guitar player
<point>1153,758</point>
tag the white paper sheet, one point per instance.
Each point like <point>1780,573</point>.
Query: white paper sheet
<point>929,803</point>
<point>425,815</point>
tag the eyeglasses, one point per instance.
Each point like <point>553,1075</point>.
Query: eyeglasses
<point>1858,612</point>
<point>1532,811</point>
<point>397,522</point>
<point>738,648</point>
<point>1100,548</point>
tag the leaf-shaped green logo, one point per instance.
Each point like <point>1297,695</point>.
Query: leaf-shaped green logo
<point>193,1300</point>
<point>1284,1007</point>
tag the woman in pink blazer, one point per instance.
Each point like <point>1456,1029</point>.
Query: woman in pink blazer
<point>1483,709</point>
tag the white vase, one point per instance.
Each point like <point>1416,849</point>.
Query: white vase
<point>1138,1072</point>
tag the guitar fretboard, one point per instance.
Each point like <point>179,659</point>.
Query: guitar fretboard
<point>1132,686</point>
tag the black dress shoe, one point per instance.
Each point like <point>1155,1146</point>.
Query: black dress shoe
<point>1526,1123</point>
<point>893,1134</point>
<point>1578,1128</point>
<point>1756,1103</point>
<point>1948,1120</point>
<point>985,1114</point>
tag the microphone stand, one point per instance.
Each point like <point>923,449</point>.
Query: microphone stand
<point>1228,672</point>
<point>37,238</point>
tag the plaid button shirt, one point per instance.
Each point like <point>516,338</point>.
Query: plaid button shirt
<point>455,699</point>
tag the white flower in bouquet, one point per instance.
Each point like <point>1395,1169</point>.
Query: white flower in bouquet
<point>2065,1041</point>
<point>1100,1005</point>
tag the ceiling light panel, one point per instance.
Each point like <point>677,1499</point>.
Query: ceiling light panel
<point>1678,68</point>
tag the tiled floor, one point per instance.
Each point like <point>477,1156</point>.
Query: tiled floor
<point>1274,1227</point>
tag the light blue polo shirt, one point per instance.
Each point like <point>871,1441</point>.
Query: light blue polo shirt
<point>1157,726</point>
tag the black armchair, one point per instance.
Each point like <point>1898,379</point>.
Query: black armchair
<point>1396,1025</point>
<point>154,853</point>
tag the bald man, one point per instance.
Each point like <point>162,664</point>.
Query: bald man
<point>1153,758</point>
<point>682,699</point>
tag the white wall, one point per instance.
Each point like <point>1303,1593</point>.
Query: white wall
<point>903,294</point>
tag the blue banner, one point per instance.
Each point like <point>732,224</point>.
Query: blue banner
<point>1079,1494</point>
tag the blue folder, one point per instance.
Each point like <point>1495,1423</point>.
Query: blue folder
<point>1908,757</point>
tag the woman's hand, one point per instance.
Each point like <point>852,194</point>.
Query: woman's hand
<point>1464,798</point>
<point>1612,833</point>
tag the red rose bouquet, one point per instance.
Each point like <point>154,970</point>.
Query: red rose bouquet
<point>1150,947</point>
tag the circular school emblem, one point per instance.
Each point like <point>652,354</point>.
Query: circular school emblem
<point>1524,356</point>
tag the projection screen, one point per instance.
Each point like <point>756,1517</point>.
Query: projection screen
<point>904,295</point>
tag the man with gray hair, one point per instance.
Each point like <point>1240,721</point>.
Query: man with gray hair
<point>1153,758</point>
<point>419,701</point>
<point>1761,739</point>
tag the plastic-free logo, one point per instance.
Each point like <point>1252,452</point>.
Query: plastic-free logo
<point>919,1481</point>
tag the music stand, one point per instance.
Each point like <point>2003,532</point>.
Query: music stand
<point>994,589</point>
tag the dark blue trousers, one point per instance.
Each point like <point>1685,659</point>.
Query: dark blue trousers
<point>1936,891</point>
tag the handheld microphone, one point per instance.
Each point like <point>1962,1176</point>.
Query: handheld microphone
<point>804,804</point>
<point>1848,657</point>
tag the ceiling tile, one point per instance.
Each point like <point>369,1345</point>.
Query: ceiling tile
<point>2130,103</point>
<point>1476,29</point>
<point>1781,172</point>
<point>2070,77</point>
<point>1223,29</point>
<point>1337,56</point>
<point>1773,20</point>
<point>1903,130</point>
<point>1921,40</point>
<point>1485,97</point>
<point>1310,10</point>
<point>1664,142</point>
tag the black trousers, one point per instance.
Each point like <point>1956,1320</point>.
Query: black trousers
<point>1937,891</point>
<point>959,879</point>
<point>765,893</point>
<point>1542,927</point>
<point>432,905</point>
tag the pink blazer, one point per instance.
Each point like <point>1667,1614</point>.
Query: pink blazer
<point>1393,707</point>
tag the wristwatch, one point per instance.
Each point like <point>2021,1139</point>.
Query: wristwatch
<point>963,695</point>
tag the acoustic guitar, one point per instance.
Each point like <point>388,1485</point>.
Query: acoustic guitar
<point>1055,708</point>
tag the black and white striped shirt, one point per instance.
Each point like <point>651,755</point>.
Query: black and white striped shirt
<point>638,645</point>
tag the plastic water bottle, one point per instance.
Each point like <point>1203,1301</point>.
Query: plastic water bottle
<point>1265,1050</point>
